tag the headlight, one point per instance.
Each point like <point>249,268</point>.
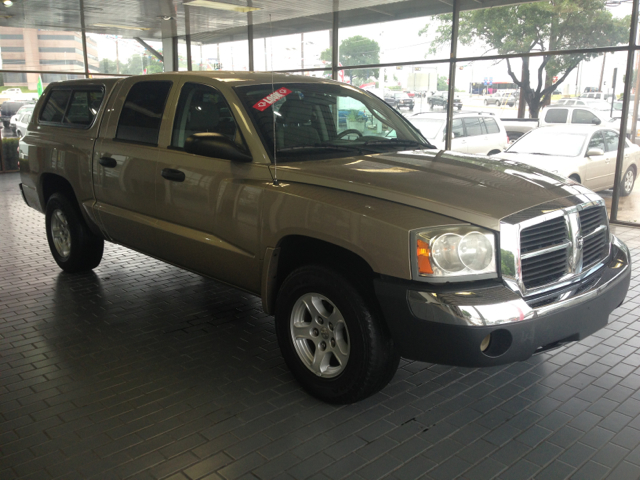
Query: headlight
<point>447,254</point>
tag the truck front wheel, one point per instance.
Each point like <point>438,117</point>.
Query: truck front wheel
<point>331,337</point>
<point>73,246</point>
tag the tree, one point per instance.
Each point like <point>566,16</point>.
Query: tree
<point>539,26</point>
<point>443,83</point>
<point>357,50</point>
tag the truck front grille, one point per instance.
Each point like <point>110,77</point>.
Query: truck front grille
<point>554,250</point>
<point>546,264</point>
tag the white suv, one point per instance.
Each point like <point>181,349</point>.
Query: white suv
<point>480,133</point>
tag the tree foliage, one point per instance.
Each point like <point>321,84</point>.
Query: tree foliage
<point>541,26</point>
<point>357,50</point>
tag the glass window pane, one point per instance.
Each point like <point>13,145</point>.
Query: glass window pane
<point>83,107</point>
<point>43,50</point>
<point>540,25</point>
<point>596,142</point>
<point>56,105</point>
<point>116,54</point>
<point>142,112</point>
<point>583,116</point>
<point>472,126</point>
<point>201,109</point>
<point>556,115</point>
<point>611,139</point>
<point>492,126</point>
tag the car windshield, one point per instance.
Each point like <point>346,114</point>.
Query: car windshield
<point>319,120</point>
<point>547,141</point>
<point>429,127</point>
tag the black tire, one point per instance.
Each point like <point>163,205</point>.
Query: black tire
<point>486,103</point>
<point>18,134</point>
<point>431,105</point>
<point>628,182</point>
<point>370,360</point>
<point>497,103</point>
<point>73,246</point>
<point>459,107</point>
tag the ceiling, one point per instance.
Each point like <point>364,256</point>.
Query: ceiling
<point>206,25</point>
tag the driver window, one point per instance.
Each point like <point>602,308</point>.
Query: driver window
<point>596,142</point>
<point>583,116</point>
<point>201,109</point>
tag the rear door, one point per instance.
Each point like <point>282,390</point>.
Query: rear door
<point>125,158</point>
<point>476,139</point>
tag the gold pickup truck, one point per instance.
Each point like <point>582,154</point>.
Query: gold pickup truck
<point>365,242</point>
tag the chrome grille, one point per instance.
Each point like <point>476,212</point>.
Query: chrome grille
<point>553,245</point>
<point>543,235</point>
<point>547,266</point>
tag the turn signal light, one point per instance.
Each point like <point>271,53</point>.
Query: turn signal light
<point>424,262</point>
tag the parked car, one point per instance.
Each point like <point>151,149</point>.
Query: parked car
<point>19,114</point>
<point>441,99</point>
<point>365,242</point>
<point>583,153</point>
<point>399,100</point>
<point>584,102</point>
<point>11,92</point>
<point>500,98</point>
<point>9,109</point>
<point>480,133</point>
<point>22,122</point>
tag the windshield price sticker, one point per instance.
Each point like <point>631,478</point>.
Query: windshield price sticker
<point>272,98</point>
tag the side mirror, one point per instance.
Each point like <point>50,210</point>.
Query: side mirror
<point>596,121</point>
<point>216,145</point>
<point>595,152</point>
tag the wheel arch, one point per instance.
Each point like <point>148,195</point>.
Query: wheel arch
<point>51,183</point>
<point>294,251</point>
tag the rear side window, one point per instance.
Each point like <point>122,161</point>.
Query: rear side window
<point>142,112</point>
<point>556,115</point>
<point>72,107</point>
<point>492,126</point>
<point>55,107</point>
<point>83,107</point>
<point>457,128</point>
<point>473,126</point>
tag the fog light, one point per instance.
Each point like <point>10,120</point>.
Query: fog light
<point>485,343</point>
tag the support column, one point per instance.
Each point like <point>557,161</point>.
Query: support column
<point>452,71</point>
<point>170,54</point>
<point>250,35</point>
<point>334,40</point>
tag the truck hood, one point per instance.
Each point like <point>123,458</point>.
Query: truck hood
<point>474,189</point>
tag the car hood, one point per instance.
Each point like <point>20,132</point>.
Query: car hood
<point>474,189</point>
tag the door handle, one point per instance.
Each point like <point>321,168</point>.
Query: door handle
<point>108,162</point>
<point>173,175</point>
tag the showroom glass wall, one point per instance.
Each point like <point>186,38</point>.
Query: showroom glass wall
<point>457,53</point>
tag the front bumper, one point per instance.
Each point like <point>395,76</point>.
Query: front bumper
<point>447,325</point>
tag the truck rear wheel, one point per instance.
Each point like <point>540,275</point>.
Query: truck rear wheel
<point>73,246</point>
<point>331,338</point>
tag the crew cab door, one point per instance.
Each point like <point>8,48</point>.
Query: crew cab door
<point>207,207</point>
<point>124,162</point>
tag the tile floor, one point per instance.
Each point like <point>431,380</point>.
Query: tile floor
<point>142,370</point>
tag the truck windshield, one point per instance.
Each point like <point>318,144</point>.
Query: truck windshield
<point>318,121</point>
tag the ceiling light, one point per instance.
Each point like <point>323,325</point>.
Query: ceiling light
<point>7,3</point>
<point>220,6</point>
<point>127,27</point>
